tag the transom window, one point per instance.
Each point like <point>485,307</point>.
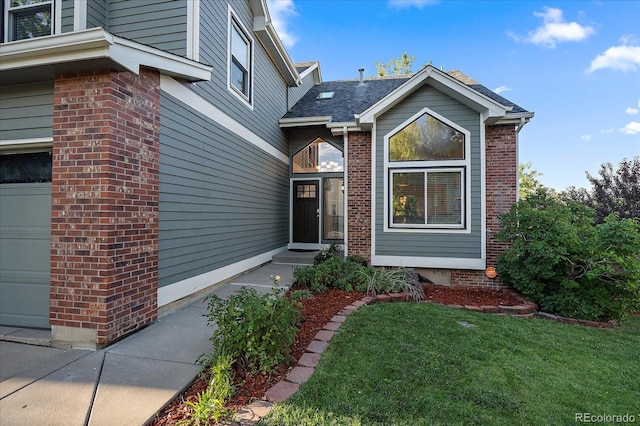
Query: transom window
<point>240,59</point>
<point>318,157</point>
<point>27,19</point>
<point>426,167</point>
<point>425,139</point>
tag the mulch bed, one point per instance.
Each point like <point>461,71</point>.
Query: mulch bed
<point>317,311</point>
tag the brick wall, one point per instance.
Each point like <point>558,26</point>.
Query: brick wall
<point>501,189</point>
<point>359,195</point>
<point>104,231</point>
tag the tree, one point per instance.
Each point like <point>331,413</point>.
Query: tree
<point>529,183</point>
<point>401,66</point>
<point>616,191</point>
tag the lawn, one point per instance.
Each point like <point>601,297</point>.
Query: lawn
<point>422,364</point>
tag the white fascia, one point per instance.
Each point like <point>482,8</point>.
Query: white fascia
<point>304,121</point>
<point>439,80</point>
<point>315,69</point>
<point>97,43</point>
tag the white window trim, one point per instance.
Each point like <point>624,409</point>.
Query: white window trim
<point>426,171</point>
<point>193,30</point>
<point>79,15</point>
<point>463,165</point>
<point>233,17</point>
<point>56,18</point>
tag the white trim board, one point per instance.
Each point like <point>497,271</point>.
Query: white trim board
<point>429,262</point>
<point>198,103</point>
<point>178,290</point>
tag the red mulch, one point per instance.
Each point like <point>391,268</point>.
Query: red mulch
<point>316,312</point>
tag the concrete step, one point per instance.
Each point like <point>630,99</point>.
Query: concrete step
<point>294,257</point>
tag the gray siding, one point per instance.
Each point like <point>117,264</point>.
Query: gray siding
<point>269,89</point>
<point>430,244</point>
<point>97,13</point>
<point>67,16</point>
<point>26,111</point>
<point>158,23</point>
<point>222,200</point>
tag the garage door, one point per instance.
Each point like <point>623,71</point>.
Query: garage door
<point>25,233</point>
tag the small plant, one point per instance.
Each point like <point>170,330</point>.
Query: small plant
<point>396,280</point>
<point>333,252</point>
<point>209,404</point>
<point>355,258</point>
<point>300,294</point>
<point>256,330</point>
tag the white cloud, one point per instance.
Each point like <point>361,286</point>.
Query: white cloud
<point>281,11</point>
<point>619,58</point>
<point>405,4</point>
<point>632,111</point>
<point>585,138</point>
<point>501,89</point>
<point>609,130</point>
<point>555,30</point>
<point>632,128</point>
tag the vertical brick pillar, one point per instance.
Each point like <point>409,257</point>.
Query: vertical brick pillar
<point>501,189</point>
<point>359,195</point>
<point>104,231</point>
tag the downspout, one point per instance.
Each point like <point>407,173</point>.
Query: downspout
<point>518,128</point>
<point>345,151</point>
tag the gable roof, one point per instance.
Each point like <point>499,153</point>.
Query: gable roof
<point>356,103</point>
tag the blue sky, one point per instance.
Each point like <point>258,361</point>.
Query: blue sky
<point>575,64</point>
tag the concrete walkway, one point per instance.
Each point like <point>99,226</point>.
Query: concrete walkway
<point>124,384</point>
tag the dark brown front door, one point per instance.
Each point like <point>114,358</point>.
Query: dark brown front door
<point>306,207</point>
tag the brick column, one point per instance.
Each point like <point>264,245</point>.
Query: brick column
<point>501,189</point>
<point>104,231</point>
<point>359,195</point>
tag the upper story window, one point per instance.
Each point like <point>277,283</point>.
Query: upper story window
<point>426,168</point>
<point>240,60</point>
<point>23,19</point>
<point>318,157</point>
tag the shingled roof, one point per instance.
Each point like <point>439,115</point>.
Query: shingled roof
<point>351,97</point>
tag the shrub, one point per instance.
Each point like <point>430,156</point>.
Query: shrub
<point>335,272</point>
<point>355,258</point>
<point>558,259</point>
<point>396,280</point>
<point>333,252</point>
<point>256,330</point>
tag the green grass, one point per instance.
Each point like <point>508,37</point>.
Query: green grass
<point>414,364</point>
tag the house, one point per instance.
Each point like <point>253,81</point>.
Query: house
<point>151,149</point>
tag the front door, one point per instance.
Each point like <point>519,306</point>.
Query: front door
<point>306,211</point>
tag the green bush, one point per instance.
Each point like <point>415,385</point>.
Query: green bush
<point>256,330</point>
<point>335,272</point>
<point>560,260</point>
<point>395,280</point>
<point>333,252</point>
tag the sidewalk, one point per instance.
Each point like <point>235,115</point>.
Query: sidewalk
<point>124,384</point>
